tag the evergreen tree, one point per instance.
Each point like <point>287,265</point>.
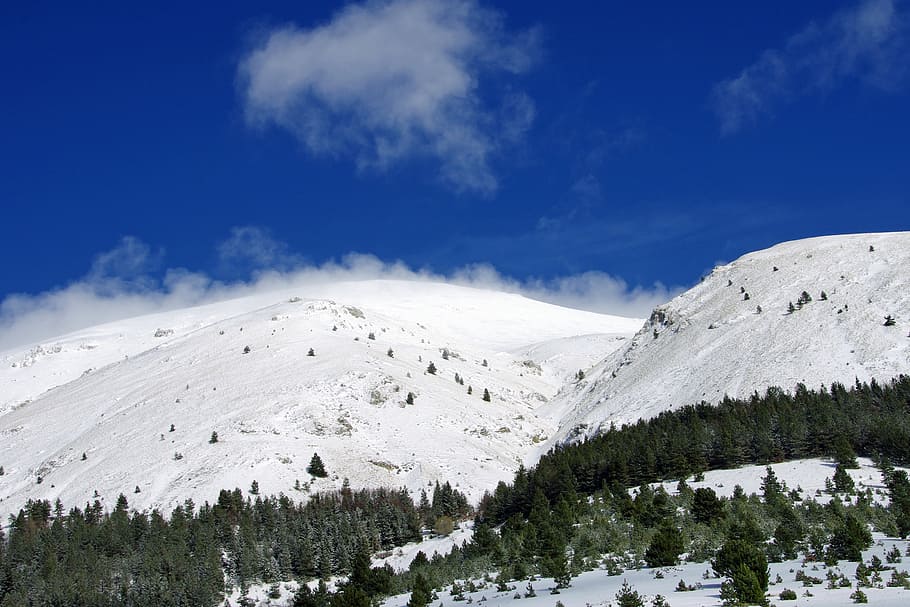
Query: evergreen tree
<point>843,482</point>
<point>421,592</point>
<point>899,492</point>
<point>628,597</point>
<point>738,553</point>
<point>849,540</point>
<point>665,547</point>
<point>213,438</point>
<point>431,368</point>
<point>316,467</point>
<point>706,506</point>
<point>486,395</point>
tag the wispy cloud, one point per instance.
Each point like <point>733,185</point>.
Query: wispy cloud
<point>389,81</point>
<point>252,248</point>
<point>867,43</point>
<point>103,295</point>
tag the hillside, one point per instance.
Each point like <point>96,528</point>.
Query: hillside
<point>734,333</point>
<point>113,392</point>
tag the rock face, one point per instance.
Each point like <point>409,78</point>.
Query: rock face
<point>810,311</point>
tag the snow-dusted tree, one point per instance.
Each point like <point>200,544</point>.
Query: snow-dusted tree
<point>390,353</point>
<point>431,368</point>
<point>486,395</point>
<point>316,467</point>
<point>213,438</point>
<point>410,398</point>
<point>311,352</point>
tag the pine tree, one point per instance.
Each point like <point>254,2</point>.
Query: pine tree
<point>213,438</point>
<point>390,353</point>
<point>628,597</point>
<point>421,592</point>
<point>843,482</point>
<point>311,352</point>
<point>316,467</point>
<point>410,398</point>
<point>254,487</point>
<point>738,553</point>
<point>431,368</point>
<point>666,546</point>
<point>486,395</point>
<point>371,336</point>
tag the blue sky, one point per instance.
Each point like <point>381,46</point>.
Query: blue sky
<point>635,143</point>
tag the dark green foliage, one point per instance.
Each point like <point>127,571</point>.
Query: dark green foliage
<point>706,506</point>
<point>628,597</point>
<point>899,489</point>
<point>844,455</point>
<point>843,482</point>
<point>213,438</point>
<point>787,595</point>
<point>850,539</point>
<point>486,395</point>
<point>665,547</point>
<point>309,598</point>
<point>736,555</point>
<point>135,559</point>
<point>316,467</point>
<point>431,368</point>
<point>421,593</point>
<point>870,418</point>
<point>742,588</point>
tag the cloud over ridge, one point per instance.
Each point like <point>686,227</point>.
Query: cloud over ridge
<point>105,296</point>
<point>388,81</point>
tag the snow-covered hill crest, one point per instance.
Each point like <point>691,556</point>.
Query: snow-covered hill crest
<point>736,332</point>
<point>133,404</point>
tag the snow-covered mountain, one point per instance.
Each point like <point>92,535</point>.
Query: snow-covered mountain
<point>113,393</point>
<point>734,333</point>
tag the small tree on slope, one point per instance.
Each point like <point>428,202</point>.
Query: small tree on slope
<point>316,467</point>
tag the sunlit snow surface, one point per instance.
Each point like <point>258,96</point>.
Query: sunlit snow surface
<point>712,341</point>
<point>112,393</point>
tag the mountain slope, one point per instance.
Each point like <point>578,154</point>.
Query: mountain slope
<point>113,392</point>
<point>713,341</point>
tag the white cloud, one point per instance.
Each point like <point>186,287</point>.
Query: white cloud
<point>253,248</point>
<point>868,42</point>
<point>103,296</point>
<point>389,81</point>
